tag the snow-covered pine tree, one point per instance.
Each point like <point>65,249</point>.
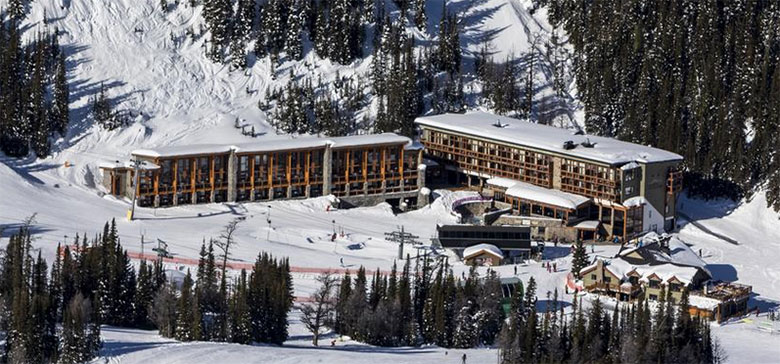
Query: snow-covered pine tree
<point>237,54</point>
<point>17,9</point>
<point>101,109</point>
<point>36,110</point>
<point>579,259</point>
<point>144,295</point>
<point>187,325</point>
<point>466,333</point>
<point>78,343</point>
<point>296,20</point>
<point>322,31</point>
<point>420,17</point>
<point>217,14</point>
<point>163,310</point>
<point>240,321</point>
<point>60,113</point>
<point>274,24</point>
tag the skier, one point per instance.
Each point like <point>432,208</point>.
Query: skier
<point>555,267</point>
<point>464,358</point>
<point>342,261</point>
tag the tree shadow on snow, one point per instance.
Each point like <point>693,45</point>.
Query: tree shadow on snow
<point>544,305</point>
<point>24,167</point>
<point>6,230</point>
<point>119,348</point>
<point>556,252</point>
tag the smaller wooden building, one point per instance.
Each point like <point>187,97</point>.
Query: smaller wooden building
<point>483,255</point>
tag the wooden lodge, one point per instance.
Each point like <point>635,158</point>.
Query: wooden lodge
<point>354,168</point>
<point>632,188</point>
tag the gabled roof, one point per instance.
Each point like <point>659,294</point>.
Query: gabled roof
<point>657,249</point>
<point>547,138</point>
<point>478,249</point>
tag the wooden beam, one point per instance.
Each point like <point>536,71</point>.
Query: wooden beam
<point>193,171</point>
<point>348,162</point>
<point>175,176</point>
<point>271,168</point>
<point>382,166</point>
<point>401,162</point>
<point>289,168</point>
<point>156,175</point>
<point>252,172</point>
<point>308,167</point>
<point>211,173</point>
<point>365,165</point>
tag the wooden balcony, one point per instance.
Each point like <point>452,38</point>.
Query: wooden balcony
<point>674,182</point>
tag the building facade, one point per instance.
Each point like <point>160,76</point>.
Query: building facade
<point>358,169</point>
<point>627,185</point>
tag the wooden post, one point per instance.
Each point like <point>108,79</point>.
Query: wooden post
<point>382,163</point>
<point>348,162</point>
<point>308,167</point>
<point>156,181</point>
<point>175,177</point>
<point>271,167</point>
<point>193,171</point>
<point>252,171</point>
<point>289,168</point>
<point>211,173</point>
<point>401,163</point>
<point>365,165</point>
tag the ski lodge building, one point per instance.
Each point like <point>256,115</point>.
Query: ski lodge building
<point>664,266</point>
<point>361,169</point>
<point>564,184</point>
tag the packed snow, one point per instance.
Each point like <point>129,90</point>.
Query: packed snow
<point>153,70</point>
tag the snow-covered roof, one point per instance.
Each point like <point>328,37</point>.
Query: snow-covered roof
<point>270,145</point>
<point>702,302</point>
<point>587,225</point>
<point>679,253</point>
<point>114,165</point>
<point>145,165</point>
<point>620,268</point>
<point>629,166</point>
<point>179,150</point>
<point>527,191</point>
<point>502,182</point>
<point>482,248</point>
<point>371,139</point>
<point>635,201</point>
<point>546,138</point>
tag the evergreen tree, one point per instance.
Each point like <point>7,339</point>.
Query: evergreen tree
<point>60,113</point>
<point>420,18</point>
<point>187,320</point>
<point>240,321</point>
<point>296,20</point>
<point>580,259</point>
<point>102,110</point>
<point>217,14</point>
<point>80,338</point>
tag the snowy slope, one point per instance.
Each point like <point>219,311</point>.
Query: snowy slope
<point>129,346</point>
<point>178,97</point>
<point>153,69</point>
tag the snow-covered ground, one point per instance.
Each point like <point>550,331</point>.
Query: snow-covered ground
<point>148,65</point>
<point>138,346</point>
